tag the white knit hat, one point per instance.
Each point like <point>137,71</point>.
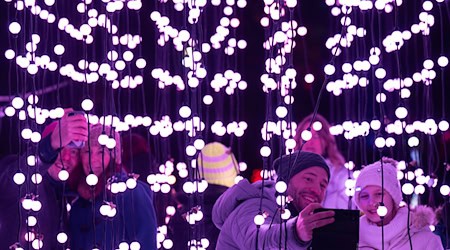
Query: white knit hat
<point>371,175</point>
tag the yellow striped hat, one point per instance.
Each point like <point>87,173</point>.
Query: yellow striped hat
<point>217,164</point>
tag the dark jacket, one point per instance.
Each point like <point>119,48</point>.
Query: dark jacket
<point>182,232</point>
<point>12,223</point>
<point>135,220</point>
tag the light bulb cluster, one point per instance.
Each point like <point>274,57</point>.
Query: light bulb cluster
<point>108,209</point>
<point>164,181</point>
<point>84,33</point>
<point>280,128</point>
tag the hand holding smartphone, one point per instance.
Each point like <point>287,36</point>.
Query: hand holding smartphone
<point>76,144</point>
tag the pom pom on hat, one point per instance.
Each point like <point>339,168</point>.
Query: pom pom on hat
<point>371,176</point>
<point>217,164</point>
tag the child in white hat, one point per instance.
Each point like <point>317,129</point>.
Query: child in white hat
<point>369,196</point>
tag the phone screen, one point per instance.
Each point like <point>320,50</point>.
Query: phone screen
<point>342,234</point>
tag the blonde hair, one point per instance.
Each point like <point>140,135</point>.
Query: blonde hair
<point>330,150</point>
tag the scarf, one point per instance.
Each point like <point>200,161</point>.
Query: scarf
<point>395,233</point>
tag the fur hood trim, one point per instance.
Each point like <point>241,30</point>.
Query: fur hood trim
<point>422,216</point>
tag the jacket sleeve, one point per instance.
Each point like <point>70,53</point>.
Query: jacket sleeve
<point>434,243</point>
<point>140,218</point>
<point>9,166</point>
<point>246,235</point>
<point>46,153</point>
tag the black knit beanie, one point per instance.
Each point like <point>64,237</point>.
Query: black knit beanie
<point>290,165</point>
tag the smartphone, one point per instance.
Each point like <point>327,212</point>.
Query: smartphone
<point>76,144</point>
<point>342,234</point>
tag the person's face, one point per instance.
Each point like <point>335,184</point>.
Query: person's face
<point>69,158</point>
<point>308,186</point>
<point>369,200</point>
<point>96,159</point>
<point>315,145</point>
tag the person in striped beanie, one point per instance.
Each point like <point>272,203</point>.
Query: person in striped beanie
<point>218,167</point>
<point>217,164</point>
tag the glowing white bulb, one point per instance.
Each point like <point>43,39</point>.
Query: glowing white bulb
<point>59,49</point>
<point>111,143</point>
<point>91,180</point>
<point>36,205</point>
<point>62,237</point>
<point>408,188</point>
<point>207,100</point>
<point>428,64</point>
<point>401,112</point>
<point>382,211</point>
<point>63,175</point>
<point>380,73</point>
<point>37,244</point>
<point>265,151</point>
<point>419,189</point>
<point>141,63</point>
<point>87,104</point>
<point>19,178</point>
<point>36,178</point>
<point>167,243</point>
<point>317,126</point>
<point>281,186</point>
<point>185,111</point>
<point>375,124</point>
<point>17,102</point>
<point>413,141</point>
<point>281,111</point>
<point>10,54</point>
<point>199,144</point>
<point>306,135</point>
<point>442,61</point>
<point>135,245</point>
<point>49,2</point>
<point>191,150</point>
<point>14,28</point>
<point>309,78</point>
<point>329,69</point>
<point>443,125</point>
<point>31,221</point>
<point>290,143</point>
<point>131,183</point>
<point>128,56</point>
<point>445,190</point>
<point>380,142</point>
<point>188,187</point>
<point>35,137</point>
<point>10,111</point>
<point>103,139</point>
<point>124,246</point>
<point>33,99</point>
<point>259,220</point>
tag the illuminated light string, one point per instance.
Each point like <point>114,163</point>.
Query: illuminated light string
<point>222,128</point>
<point>191,79</point>
<point>392,42</point>
<point>30,202</point>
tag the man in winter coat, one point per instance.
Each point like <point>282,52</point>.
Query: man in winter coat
<point>54,155</point>
<point>115,211</point>
<point>306,175</point>
<point>391,231</point>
